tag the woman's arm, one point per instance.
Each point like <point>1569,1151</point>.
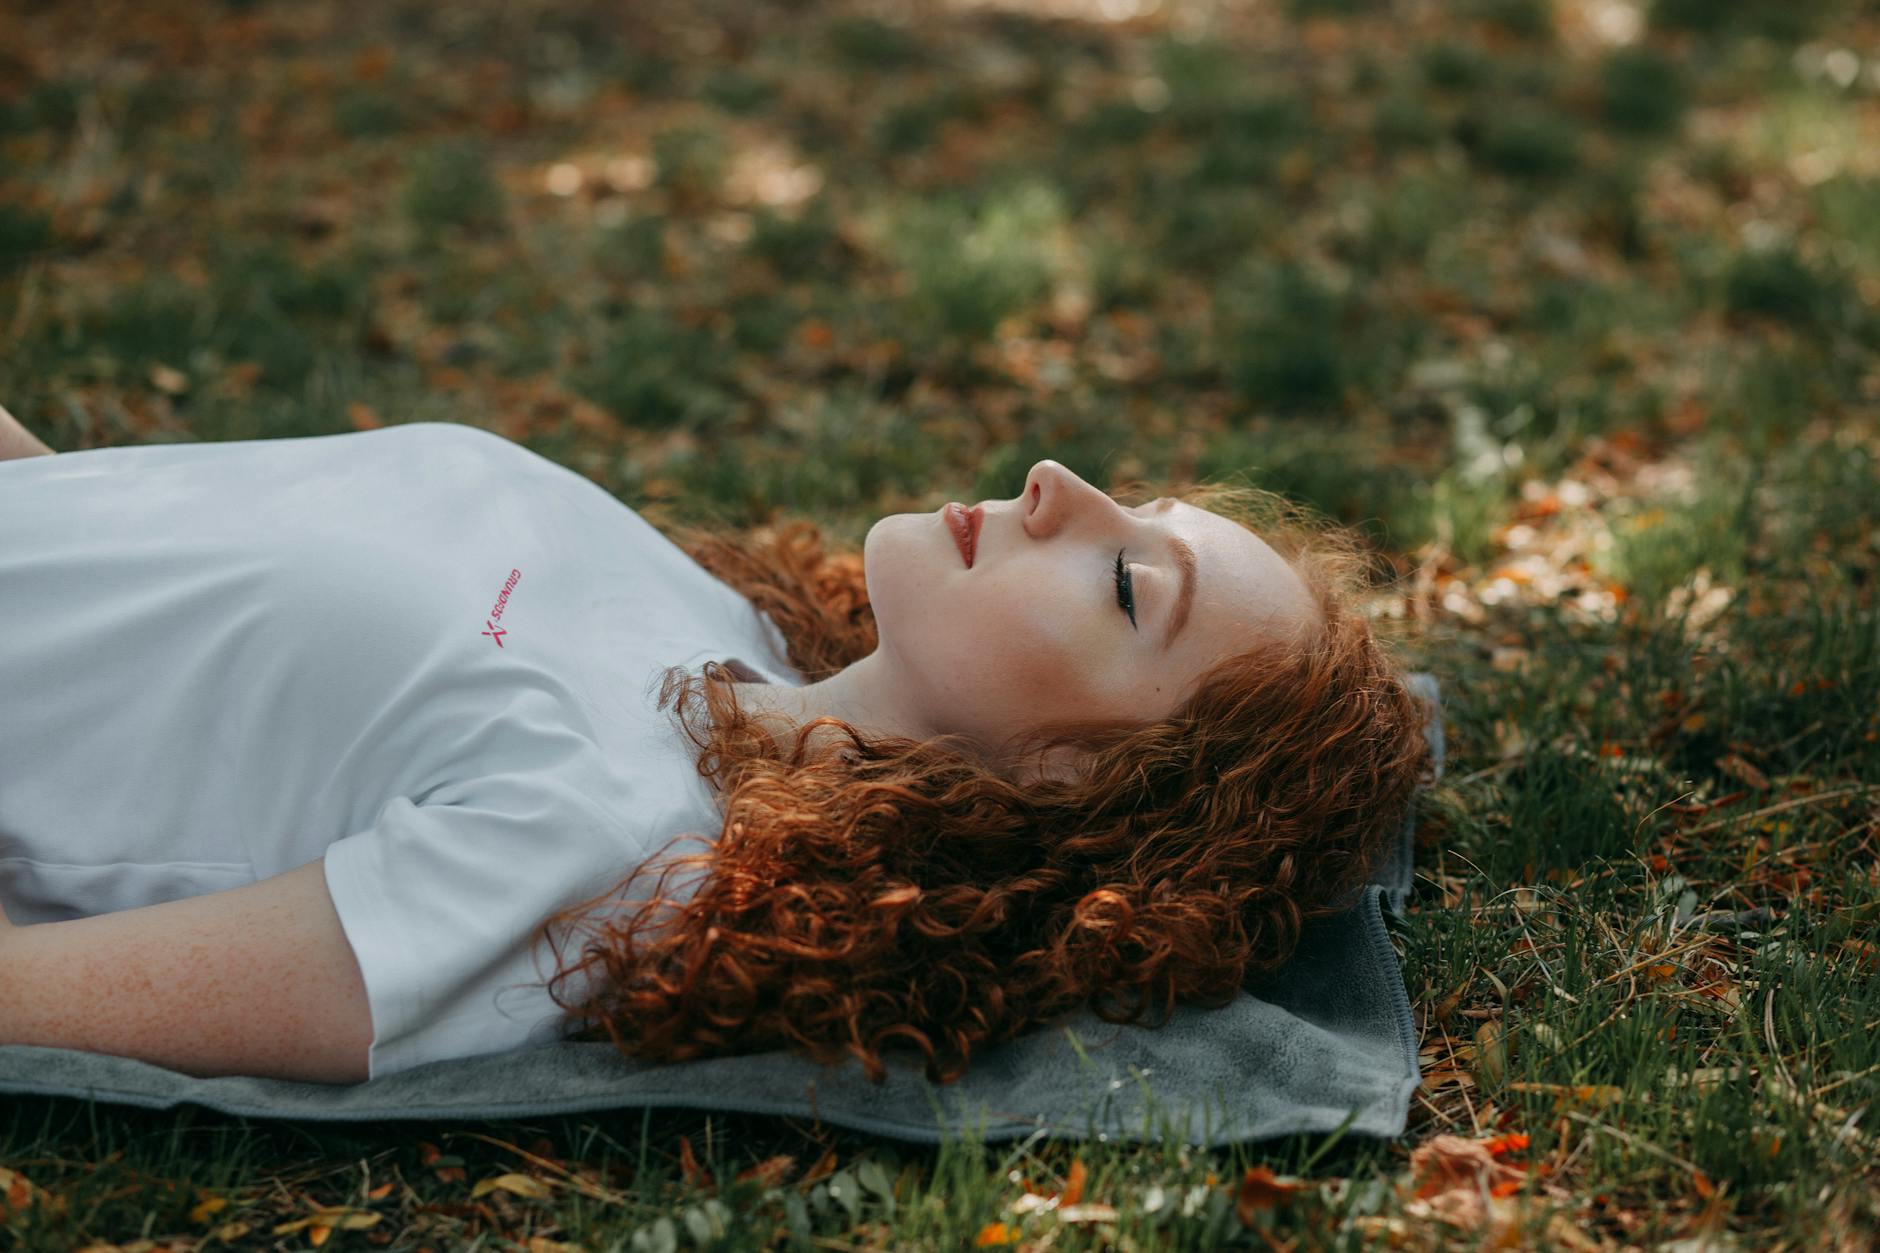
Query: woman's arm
<point>254,980</point>
<point>17,441</point>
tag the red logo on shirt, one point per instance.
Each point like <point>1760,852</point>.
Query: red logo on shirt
<point>502,602</point>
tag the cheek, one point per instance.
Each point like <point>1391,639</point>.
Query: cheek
<point>1021,645</point>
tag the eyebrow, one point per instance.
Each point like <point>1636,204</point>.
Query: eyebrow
<point>1185,562</point>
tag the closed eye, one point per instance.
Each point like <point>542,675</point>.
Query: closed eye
<point>1125,589</point>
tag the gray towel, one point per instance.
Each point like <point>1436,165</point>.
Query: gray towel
<point>1327,1044</point>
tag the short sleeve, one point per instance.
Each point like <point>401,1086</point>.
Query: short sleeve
<point>441,900</point>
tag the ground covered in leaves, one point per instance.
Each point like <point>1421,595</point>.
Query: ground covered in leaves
<point>1571,307</point>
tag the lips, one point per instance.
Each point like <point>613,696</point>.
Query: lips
<point>964,523</point>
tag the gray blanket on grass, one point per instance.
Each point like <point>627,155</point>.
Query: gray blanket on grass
<point>1328,1043</point>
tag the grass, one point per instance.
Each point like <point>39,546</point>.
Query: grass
<point>1583,335</point>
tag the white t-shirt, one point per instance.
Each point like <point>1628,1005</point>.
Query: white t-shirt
<point>423,653</point>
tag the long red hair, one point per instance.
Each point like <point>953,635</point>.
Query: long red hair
<point>897,891</point>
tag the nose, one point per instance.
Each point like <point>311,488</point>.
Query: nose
<point>1054,495</point>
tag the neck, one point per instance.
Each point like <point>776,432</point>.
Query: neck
<point>860,694</point>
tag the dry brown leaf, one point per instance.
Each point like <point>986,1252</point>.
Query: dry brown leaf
<point>1435,1079</point>
<point>1600,1094</point>
<point>1460,1182</point>
<point>207,1207</point>
<point>1260,1189</point>
<point>1491,1053</point>
<point>17,1192</point>
<point>824,1167</point>
<point>696,1176</point>
<point>1447,1162</point>
<point>1742,771</point>
<point>771,1172</point>
<point>520,1185</point>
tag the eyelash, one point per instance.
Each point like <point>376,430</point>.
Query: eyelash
<point>1125,588</point>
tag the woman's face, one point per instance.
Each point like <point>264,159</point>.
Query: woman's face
<point>1034,632</point>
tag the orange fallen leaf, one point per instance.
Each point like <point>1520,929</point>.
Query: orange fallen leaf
<point>994,1233</point>
<point>1074,1189</point>
<point>696,1176</point>
<point>1449,1163</point>
<point>17,1192</point>
<point>1260,1189</point>
<point>207,1207</point>
<point>1458,1181</point>
<point>770,1172</point>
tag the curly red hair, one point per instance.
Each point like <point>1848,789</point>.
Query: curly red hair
<point>896,891</point>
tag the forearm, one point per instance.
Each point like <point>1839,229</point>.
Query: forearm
<point>17,441</point>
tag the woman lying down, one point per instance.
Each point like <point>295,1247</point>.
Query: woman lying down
<point>327,757</point>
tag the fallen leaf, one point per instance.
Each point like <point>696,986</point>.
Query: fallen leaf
<point>207,1207</point>
<point>520,1185</point>
<point>1435,1079</point>
<point>1743,772</point>
<point>1600,1094</point>
<point>771,1172</point>
<point>1461,1182</point>
<point>1447,1162</point>
<point>1491,1054</point>
<point>994,1233</point>
<point>1260,1189</point>
<point>1513,1142</point>
<point>695,1175</point>
<point>17,1192</point>
<point>824,1167</point>
<point>1074,1188</point>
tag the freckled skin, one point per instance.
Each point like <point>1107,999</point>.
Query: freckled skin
<point>255,980</point>
<point>1033,631</point>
